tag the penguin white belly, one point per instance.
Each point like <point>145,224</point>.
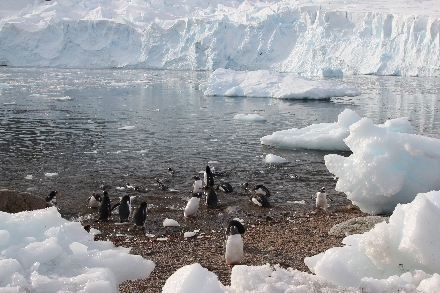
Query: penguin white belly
<point>255,201</point>
<point>191,207</point>
<point>321,201</point>
<point>234,249</point>
<point>93,203</point>
<point>198,186</point>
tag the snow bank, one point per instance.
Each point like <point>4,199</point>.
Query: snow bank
<point>402,254</point>
<point>42,252</point>
<point>311,38</point>
<point>386,167</point>
<point>328,136</point>
<point>264,83</point>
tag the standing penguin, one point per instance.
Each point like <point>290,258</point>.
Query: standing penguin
<point>321,199</point>
<point>94,201</point>
<point>51,199</point>
<point>197,185</point>
<point>105,209</point>
<point>192,206</point>
<point>211,197</point>
<point>208,178</point>
<point>140,216</point>
<point>124,208</point>
<point>234,243</point>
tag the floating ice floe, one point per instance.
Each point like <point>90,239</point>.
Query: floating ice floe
<point>265,83</point>
<point>274,159</point>
<point>42,252</point>
<point>328,136</point>
<point>50,174</point>
<point>250,117</point>
<point>128,127</point>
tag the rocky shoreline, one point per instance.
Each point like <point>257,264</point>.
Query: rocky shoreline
<point>284,239</point>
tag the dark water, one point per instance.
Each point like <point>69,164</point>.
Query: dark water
<point>68,122</point>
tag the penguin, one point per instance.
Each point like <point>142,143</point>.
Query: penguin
<point>260,200</point>
<point>140,216</point>
<point>161,185</point>
<point>261,189</point>
<point>171,171</point>
<point>211,197</point>
<point>105,187</point>
<point>208,178</point>
<point>192,206</point>
<point>234,243</point>
<point>124,208</point>
<point>245,187</point>
<point>94,201</point>
<point>105,209</point>
<point>225,187</point>
<point>197,185</point>
<point>321,199</point>
<point>51,199</point>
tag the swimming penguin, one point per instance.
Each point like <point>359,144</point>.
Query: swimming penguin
<point>51,199</point>
<point>140,216</point>
<point>105,209</point>
<point>208,178</point>
<point>94,201</point>
<point>234,243</point>
<point>161,185</point>
<point>197,185</point>
<point>104,187</point>
<point>261,189</point>
<point>171,171</point>
<point>321,199</point>
<point>260,200</point>
<point>192,206</point>
<point>225,187</point>
<point>211,197</point>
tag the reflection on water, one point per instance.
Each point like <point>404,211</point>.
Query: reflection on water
<point>119,126</point>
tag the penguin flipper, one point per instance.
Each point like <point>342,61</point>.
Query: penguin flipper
<point>115,206</point>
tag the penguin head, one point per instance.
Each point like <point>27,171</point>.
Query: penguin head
<point>235,227</point>
<point>233,230</point>
<point>196,177</point>
<point>323,189</point>
<point>105,193</point>
<point>143,205</point>
<point>52,195</point>
<point>125,198</point>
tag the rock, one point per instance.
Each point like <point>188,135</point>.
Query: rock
<point>14,202</point>
<point>356,226</point>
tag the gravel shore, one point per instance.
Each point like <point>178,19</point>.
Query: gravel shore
<point>283,238</point>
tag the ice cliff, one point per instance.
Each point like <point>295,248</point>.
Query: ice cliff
<point>285,36</point>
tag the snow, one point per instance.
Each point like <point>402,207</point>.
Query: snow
<point>35,245</point>
<point>264,83</point>
<point>170,223</point>
<point>306,37</point>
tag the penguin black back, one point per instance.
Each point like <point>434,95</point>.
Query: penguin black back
<point>261,200</point>
<point>225,187</point>
<point>261,189</point>
<point>211,197</point>
<point>124,208</point>
<point>209,178</point>
<point>140,216</point>
<point>105,209</point>
<point>238,225</point>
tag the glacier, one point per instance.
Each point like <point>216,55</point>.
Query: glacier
<point>310,38</point>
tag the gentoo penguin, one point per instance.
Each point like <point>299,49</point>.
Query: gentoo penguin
<point>51,199</point>
<point>321,199</point>
<point>171,171</point>
<point>211,197</point>
<point>225,187</point>
<point>161,185</point>
<point>208,178</point>
<point>105,209</point>
<point>234,243</point>
<point>140,216</point>
<point>105,187</point>
<point>260,200</point>
<point>124,208</point>
<point>261,189</point>
<point>192,206</point>
<point>94,201</point>
<point>197,185</point>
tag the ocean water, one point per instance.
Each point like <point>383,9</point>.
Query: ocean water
<point>73,130</point>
